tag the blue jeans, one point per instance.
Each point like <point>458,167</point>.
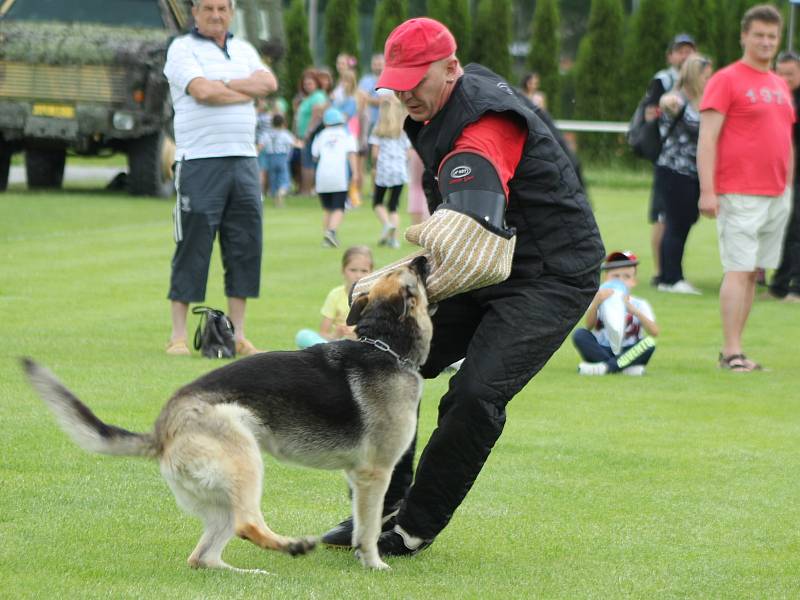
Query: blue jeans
<point>278,171</point>
<point>592,351</point>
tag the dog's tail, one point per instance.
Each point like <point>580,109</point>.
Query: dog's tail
<point>81,424</point>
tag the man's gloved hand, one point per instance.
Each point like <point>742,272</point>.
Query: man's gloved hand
<point>463,254</point>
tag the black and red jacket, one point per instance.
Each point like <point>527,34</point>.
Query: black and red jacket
<point>556,230</point>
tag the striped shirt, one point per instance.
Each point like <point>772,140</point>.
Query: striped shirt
<point>203,130</point>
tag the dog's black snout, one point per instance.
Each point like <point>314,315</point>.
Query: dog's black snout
<point>421,267</point>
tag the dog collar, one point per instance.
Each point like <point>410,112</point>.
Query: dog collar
<point>384,347</point>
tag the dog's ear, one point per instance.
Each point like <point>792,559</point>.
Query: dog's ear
<point>355,309</point>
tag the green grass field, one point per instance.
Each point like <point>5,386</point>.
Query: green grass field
<point>680,484</point>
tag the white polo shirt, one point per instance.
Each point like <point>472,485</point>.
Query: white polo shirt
<point>202,130</point>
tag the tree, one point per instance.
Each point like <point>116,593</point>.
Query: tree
<point>598,92</point>
<point>341,30</point>
<point>456,16</point>
<point>492,35</point>
<point>645,48</point>
<point>729,18</point>
<point>388,15</point>
<point>546,49</point>
<point>298,52</point>
<point>697,18</point>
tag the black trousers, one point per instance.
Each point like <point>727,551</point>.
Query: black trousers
<point>506,333</point>
<point>681,195</point>
<point>786,278</point>
<point>217,196</point>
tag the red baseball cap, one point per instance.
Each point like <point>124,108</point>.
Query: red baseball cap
<point>409,51</point>
<point>619,259</point>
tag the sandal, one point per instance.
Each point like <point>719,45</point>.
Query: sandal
<point>754,366</point>
<point>738,363</point>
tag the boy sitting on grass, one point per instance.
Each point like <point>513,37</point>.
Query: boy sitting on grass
<point>638,343</point>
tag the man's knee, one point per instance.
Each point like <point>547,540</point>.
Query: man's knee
<point>484,405</point>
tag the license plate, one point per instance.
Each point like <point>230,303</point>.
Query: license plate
<point>59,111</point>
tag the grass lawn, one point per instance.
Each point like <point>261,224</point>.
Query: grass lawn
<point>682,483</point>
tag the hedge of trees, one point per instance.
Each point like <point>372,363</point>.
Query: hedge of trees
<point>617,55</point>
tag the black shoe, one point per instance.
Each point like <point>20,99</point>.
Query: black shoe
<point>397,542</point>
<point>341,536</point>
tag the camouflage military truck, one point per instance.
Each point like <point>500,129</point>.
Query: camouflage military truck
<point>85,77</point>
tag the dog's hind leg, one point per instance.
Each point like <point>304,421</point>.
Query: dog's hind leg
<point>218,531</point>
<point>249,522</point>
<point>369,486</point>
<point>245,476</point>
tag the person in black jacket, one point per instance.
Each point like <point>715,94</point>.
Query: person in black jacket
<point>515,254</point>
<point>785,283</point>
<point>680,48</point>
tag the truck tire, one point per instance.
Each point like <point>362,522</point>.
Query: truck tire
<point>5,165</point>
<point>147,172</point>
<point>45,168</point>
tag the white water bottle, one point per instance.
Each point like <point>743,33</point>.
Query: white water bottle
<point>612,313</point>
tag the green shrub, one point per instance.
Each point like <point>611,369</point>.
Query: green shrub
<point>298,53</point>
<point>546,50</point>
<point>341,30</point>
<point>388,15</point>
<point>456,15</point>
<point>492,35</point>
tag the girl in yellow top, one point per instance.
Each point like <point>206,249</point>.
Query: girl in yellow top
<point>356,263</point>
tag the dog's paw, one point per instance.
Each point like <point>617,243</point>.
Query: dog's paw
<point>301,546</point>
<point>372,563</point>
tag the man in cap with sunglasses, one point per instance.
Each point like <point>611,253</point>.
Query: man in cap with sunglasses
<point>514,252</point>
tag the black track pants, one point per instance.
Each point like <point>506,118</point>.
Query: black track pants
<point>506,333</point>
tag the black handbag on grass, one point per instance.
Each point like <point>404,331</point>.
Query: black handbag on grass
<point>214,334</point>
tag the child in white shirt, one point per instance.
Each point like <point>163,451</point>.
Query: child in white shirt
<point>638,340</point>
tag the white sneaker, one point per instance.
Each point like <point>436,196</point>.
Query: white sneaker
<point>599,368</point>
<point>634,370</point>
<point>679,287</point>
<point>454,367</point>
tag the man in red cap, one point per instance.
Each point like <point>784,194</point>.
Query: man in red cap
<point>514,252</point>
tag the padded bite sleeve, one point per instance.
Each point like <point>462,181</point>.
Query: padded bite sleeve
<point>465,240</point>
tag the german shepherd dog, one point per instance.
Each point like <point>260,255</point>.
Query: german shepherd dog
<point>348,405</point>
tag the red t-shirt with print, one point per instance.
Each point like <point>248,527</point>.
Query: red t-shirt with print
<point>756,138</point>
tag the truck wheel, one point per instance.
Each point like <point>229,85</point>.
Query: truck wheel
<point>5,165</point>
<point>148,172</point>
<point>45,168</point>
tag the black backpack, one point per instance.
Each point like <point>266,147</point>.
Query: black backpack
<point>644,137</point>
<point>214,334</point>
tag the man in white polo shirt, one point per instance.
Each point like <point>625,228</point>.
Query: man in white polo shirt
<point>214,80</point>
